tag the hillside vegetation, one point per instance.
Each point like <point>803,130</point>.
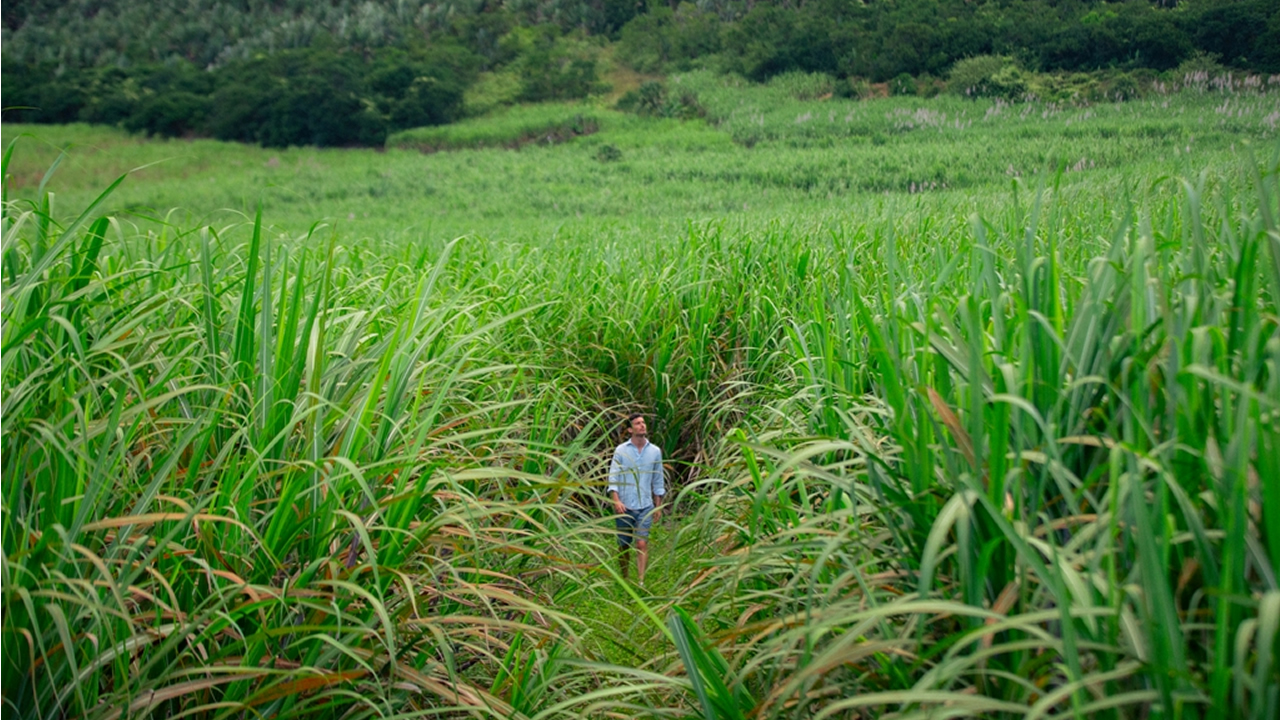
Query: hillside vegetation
<point>344,73</point>
<point>971,409</point>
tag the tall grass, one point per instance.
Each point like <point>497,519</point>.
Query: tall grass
<point>1009,455</point>
<point>242,478</point>
<point>511,128</point>
<point>813,163</point>
<point>1042,488</point>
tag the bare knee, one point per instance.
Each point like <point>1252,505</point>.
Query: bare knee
<point>642,545</point>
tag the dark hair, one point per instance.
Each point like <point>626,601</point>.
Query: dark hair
<point>630,419</point>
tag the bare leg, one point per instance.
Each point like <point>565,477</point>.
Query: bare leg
<point>642,559</point>
<point>624,561</point>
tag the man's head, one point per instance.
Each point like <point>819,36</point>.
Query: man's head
<point>636,426</point>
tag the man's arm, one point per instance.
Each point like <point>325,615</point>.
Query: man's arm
<point>659,486</point>
<point>615,470</point>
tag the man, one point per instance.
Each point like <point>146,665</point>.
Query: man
<point>636,489</point>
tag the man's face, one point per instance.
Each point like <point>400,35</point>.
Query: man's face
<point>638,428</point>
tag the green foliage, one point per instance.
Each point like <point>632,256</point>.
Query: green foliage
<point>398,65</point>
<point>81,33</point>
<point>805,86</point>
<point>491,91</point>
<point>1132,34</point>
<point>856,88</point>
<point>653,99</point>
<point>1201,63</point>
<point>991,452</point>
<point>1243,34</point>
<point>648,99</point>
<point>995,450</point>
<point>1068,87</point>
<point>928,86</point>
<point>510,128</point>
<point>295,98</point>
<point>770,39</point>
<point>903,84</point>
<point>552,66</point>
<point>170,114</point>
<point>884,40</point>
<point>664,40</point>
<point>987,76</point>
<point>876,40</point>
<point>719,696</point>
<point>298,97</point>
<point>608,153</point>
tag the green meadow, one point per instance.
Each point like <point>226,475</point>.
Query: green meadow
<point>970,409</point>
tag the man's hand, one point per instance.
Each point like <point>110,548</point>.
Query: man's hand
<point>618,507</point>
<point>657,512</point>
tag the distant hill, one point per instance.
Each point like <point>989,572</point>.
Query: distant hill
<point>880,38</point>
<point>350,71</point>
<point>212,32</point>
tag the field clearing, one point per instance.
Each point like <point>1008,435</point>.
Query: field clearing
<point>969,408</point>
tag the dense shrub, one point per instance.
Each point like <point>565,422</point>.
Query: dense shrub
<point>608,153</point>
<point>648,99</point>
<point>552,66</point>
<point>903,84</point>
<point>425,88</point>
<point>670,40</point>
<point>805,86</point>
<point>1236,30</point>
<point>170,114</point>
<point>855,87</point>
<point>607,17</point>
<point>1266,53</point>
<point>929,86</point>
<point>1159,42</point>
<point>296,98</point>
<point>490,91</point>
<point>1201,62</point>
<point>770,40</point>
<point>1123,87</point>
<point>987,76</point>
<point>652,99</point>
<point>317,96</point>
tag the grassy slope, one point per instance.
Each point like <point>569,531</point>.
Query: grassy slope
<point>816,157</point>
<point>673,316</point>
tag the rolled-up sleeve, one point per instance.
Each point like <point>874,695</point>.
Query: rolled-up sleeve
<point>615,471</point>
<point>659,485</point>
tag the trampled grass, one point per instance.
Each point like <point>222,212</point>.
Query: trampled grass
<point>1001,449</point>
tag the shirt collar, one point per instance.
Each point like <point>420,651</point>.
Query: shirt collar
<point>641,448</point>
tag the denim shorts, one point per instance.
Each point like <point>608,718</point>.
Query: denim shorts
<point>634,524</point>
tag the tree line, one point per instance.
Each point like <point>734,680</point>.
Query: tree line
<point>324,94</point>
<point>289,72</point>
<point>882,40</point>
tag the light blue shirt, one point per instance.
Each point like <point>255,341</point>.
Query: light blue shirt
<point>636,475</point>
